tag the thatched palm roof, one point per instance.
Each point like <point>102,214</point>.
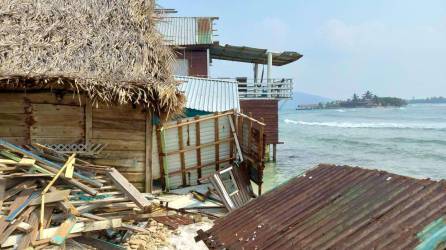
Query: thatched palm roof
<point>108,49</point>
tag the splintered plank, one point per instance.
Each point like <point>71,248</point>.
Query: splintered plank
<point>64,230</point>
<point>23,196</point>
<point>130,191</point>
<point>2,190</point>
<point>26,185</point>
<point>26,240</point>
<point>98,243</point>
<point>12,227</point>
<point>55,196</point>
<point>47,162</point>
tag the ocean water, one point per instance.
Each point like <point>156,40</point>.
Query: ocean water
<point>408,141</point>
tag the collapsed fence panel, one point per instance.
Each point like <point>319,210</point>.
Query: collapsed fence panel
<point>189,149</point>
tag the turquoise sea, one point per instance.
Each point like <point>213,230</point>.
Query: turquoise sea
<point>408,141</point>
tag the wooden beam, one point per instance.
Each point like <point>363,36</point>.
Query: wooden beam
<point>54,196</point>
<point>234,134</point>
<point>160,157</point>
<point>216,139</point>
<point>2,190</point>
<point>164,159</point>
<point>148,153</point>
<point>182,158</point>
<point>33,222</point>
<point>274,152</point>
<point>210,144</point>
<point>130,191</point>
<point>261,159</point>
<point>198,144</point>
<point>173,173</point>
<point>88,123</point>
<point>240,130</point>
<point>198,120</point>
<point>260,145</point>
<point>251,118</point>
<point>249,134</point>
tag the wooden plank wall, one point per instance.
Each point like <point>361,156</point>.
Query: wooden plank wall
<point>13,119</point>
<point>44,118</point>
<point>122,128</point>
<point>269,111</point>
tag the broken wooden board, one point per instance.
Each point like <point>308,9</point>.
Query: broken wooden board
<point>98,243</point>
<point>80,227</point>
<point>174,221</point>
<point>33,222</point>
<point>64,230</point>
<point>130,191</point>
<point>55,196</point>
<point>30,154</point>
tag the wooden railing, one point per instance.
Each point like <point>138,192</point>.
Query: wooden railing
<point>272,89</point>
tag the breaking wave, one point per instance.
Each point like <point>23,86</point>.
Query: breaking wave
<point>386,125</point>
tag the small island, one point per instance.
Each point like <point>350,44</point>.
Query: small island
<point>367,100</point>
<point>430,100</point>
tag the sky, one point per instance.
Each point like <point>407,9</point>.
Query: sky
<point>390,47</point>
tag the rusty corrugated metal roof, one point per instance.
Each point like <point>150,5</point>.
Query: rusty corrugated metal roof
<point>336,207</point>
<point>187,30</point>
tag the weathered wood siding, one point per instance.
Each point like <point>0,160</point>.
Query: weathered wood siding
<point>122,128</point>
<point>48,119</point>
<point>197,61</point>
<point>269,111</point>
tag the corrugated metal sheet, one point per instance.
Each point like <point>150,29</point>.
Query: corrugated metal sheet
<point>187,30</point>
<point>335,207</point>
<point>210,95</point>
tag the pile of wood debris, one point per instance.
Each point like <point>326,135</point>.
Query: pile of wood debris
<point>47,198</point>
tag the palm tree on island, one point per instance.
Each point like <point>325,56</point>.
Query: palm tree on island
<point>367,100</point>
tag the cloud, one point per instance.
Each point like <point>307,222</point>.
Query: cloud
<point>379,36</point>
<point>275,31</point>
<point>355,36</point>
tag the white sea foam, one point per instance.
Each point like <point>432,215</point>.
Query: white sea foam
<point>340,110</point>
<point>436,126</point>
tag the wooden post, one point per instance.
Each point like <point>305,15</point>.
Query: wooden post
<point>249,135</point>
<point>88,123</point>
<point>161,156</point>
<point>197,144</point>
<point>217,145</point>
<point>148,153</point>
<point>240,132</point>
<point>274,152</point>
<point>182,158</point>
<point>261,160</point>
<point>231,130</point>
<point>261,144</point>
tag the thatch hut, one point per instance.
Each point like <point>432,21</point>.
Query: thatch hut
<point>86,76</point>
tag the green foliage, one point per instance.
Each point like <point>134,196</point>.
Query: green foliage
<point>368,100</point>
<point>432,100</point>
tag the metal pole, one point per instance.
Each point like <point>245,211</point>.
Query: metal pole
<point>268,72</point>
<point>256,69</point>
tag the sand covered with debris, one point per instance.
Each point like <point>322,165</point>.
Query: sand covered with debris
<point>161,237</point>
